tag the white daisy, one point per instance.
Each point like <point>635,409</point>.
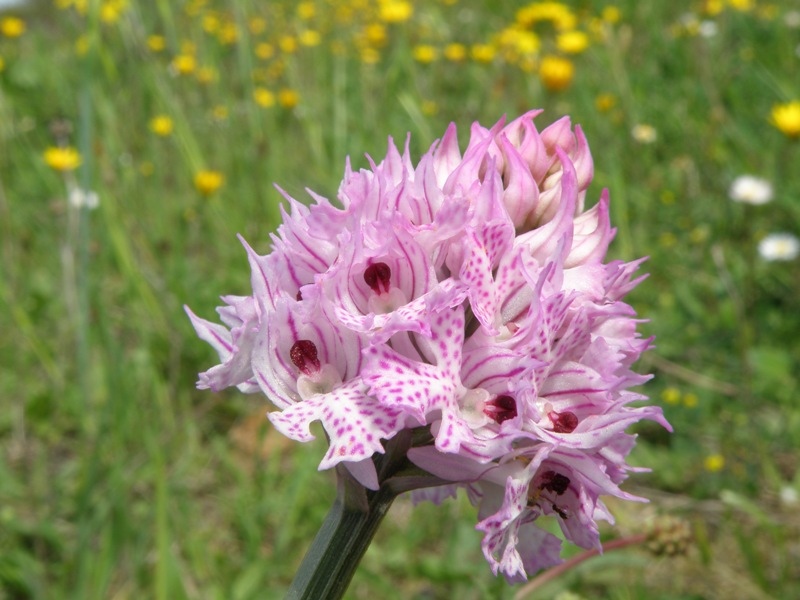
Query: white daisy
<point>707,29</point>
<point>644,134</point>
<point>789,496</point>
<point>779,246</point>
<point>750,190</point>
<point>80,198</point>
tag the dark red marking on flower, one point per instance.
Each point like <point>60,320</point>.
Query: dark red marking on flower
<point>377,276</point>
<point>502,408</point>
<point>554,482</point>
<point>304,356</point>
<point>299,296</point>
<point>561,512</point>
<point>564,422</point>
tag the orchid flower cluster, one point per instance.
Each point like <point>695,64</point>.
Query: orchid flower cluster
<point>466,294</point>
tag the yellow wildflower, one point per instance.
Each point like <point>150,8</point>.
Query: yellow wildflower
<point>786,117</point>
<point>206,75</point>
<point>275,70</point>
<point>82,45</point>
<point>369,56</point>
<point>518,41</point>
<point>690,400</point>
<point>265,51</point>
<point>228,33</point>
<point>605,102</point>
<point>288,44</point>
<point>211,22</point>
<point>671,395</point>
<point>527,43</point>
<point>219,112</point>
<point>306,10</point>
<point>667,239</point>
<point>12,27</point>
<point>455,52</point>
<point>742,5</point>
<point>147,168</point>
<point>527,63</point>
<point>161,125</point>
<point>429,108</point>
<point>375,33</point>
<point>424,53</point>
<point>156,43</point>
<point>184,64</point>
<point>599,29</point>
<point>699,234</point>
<point>207,182</point>
<point>560,15</point>
<point>260,75</point>
<point>263,97</point>
<point>556,72</point>
<point>257,25</point>
<point>310,38</point>
<point>288,98</point>
<point>714,463</point>
<point>62,159</point>
<point>483,53</point>
<point>611,14</point>
<point>572,42</point>
<point>343,13</point>
<point>194,7</point>
<point>337,48</point>
<point>395,11</point>
<point>713,7</point>
<point>767,12</point>
<point>689,25</point>
<point>110,11</point>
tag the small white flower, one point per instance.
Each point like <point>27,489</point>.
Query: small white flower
<point>8,4</point>
<point>707,29</point>
<point>644,134</point>
<point>125,159</point>
<point>779,246</point>
<point>751,190</point>
<point>792,19</point>
<point>789,496</point>
<point>87,199</point>
<point>689,20</point>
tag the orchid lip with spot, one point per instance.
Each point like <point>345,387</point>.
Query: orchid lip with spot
<point>465,293</point>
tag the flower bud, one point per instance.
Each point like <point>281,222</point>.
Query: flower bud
<point>669,536</point>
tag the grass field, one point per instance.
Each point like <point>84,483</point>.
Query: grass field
<point>118,479</point>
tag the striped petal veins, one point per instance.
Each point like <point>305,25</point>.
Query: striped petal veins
<point>466,294</point>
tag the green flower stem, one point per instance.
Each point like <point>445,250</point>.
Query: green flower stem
<point>558,570</point>
<point>345,535</point>
<point>354,518</point>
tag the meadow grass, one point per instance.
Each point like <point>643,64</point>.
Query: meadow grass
<point>119,480</point>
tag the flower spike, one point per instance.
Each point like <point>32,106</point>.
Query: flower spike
<point>457,311</point>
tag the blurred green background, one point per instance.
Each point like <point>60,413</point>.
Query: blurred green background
<point>137,139</point>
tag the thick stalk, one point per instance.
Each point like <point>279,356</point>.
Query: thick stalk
<point>354,518</point>
<point>342,540</point>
